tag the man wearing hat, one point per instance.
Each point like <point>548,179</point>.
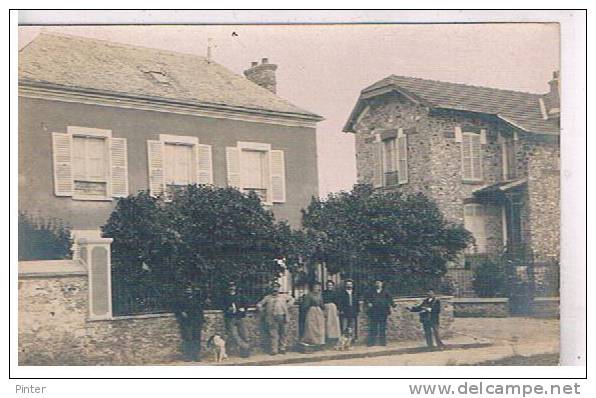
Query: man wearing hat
<point>234,308</point>
<point>379,303</point>
<point>275,309</point>
<point>188,308</point>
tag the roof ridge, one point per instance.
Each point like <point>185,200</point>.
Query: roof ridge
<point>115,44</point>
<point>460,84</point>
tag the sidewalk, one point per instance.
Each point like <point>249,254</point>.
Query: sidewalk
<point>356,352</point>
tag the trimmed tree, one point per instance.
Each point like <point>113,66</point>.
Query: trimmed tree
<point>205,235</point>
<point>364,234</point>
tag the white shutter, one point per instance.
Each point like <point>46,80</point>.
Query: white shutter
<point>458,134</point>
<point>476,154</point>
<point>377,164</point>
<point>466,157</point>
<point>62,157</point>
<point>204,164</point>
<point>118,167</point>
<point>402,148</point>
<point>156,167</point>
<point>278,176</point>
<point>233,166</point>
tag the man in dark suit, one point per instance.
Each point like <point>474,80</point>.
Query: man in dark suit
<point>379,303</point>
<point>429,310</point>
<point>234,309</point>
<point>349,308</point>
<point>188,308</point>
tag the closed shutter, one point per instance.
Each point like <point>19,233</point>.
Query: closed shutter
<point>377,164</point>
<point>476,154</point>
<point>474,222</point>
<point>118,167</point>
<point>402,147</point>
<point>466,152</point>
<point>62,157</point>
<point>204,164</point>
<point>278,176</point>
<point>156,167</point>
<point>233,166</point>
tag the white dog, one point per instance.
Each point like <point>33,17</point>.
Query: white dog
<point>345,341</point>
<point>218,346</point>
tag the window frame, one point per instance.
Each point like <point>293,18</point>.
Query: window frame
<point>263,148</point>
<point>480,156</point>
<point>479,236</point>
<point>92,133</point>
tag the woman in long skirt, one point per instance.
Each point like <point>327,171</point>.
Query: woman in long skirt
<point>332,328</point>
<point>314,317</point>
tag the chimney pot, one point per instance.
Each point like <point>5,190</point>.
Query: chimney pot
<point>263,74</point>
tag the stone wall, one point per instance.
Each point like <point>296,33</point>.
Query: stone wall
<point>481,307</point>
<point>54,328</point>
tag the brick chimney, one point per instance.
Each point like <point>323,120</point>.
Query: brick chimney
<point>262,74</point>
<point>552,98</point>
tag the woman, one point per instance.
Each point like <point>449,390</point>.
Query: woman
<point>314,318</point>
<point>332,328</point>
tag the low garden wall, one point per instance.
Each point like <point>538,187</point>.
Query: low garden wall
<point>546,307</point>
<point>54,326</point>
<point>480,307</point>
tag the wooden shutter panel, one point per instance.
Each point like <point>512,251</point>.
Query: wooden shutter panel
<point>466,157</point>
<point>476,154</point>
<point>278,176</point>
<point>62,157</point>
<point>204,164</point>
<point>233,166</point>
<point>156,167</point>
<point>118,167</point>
<point>377,164</point>
<point>402,148</point>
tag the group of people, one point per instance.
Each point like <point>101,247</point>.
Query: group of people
<point>324,316</point>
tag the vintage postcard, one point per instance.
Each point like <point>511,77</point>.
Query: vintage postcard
<point>347,195</point>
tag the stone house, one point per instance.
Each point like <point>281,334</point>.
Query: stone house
<point>488,157</point>
<point>101,120</point>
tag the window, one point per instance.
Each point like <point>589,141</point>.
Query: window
<point>176,161</point>
<point>474,221</point>
<point>89,164</point>
<point>255,167</point>
<point>255,172</point>
<point>392,160</point>
<point>471,157</point>
<point>509,159</point>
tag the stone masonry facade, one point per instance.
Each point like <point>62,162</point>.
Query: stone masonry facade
<point>435,169</point>
<point>54,328</point>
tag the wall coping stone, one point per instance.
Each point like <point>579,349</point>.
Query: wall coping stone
<point>547,299</point>
<point>51,269</point>
<point>473,300</point>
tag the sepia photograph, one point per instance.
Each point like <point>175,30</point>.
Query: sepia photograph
<point>289,194</point>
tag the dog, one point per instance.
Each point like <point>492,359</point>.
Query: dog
<point>218,346</point>
<point>345,340</point>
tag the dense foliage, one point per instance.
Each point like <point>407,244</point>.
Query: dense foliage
<point>491,278</point>
<point>43,239</point>
<point>205,235</point>
<point>403,239</point>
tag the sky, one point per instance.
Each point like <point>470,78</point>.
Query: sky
<point>323,68</point>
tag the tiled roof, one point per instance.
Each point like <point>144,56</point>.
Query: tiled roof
<point>519,109</point>
<point>82,63</point>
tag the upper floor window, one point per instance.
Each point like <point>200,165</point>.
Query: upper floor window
<point>391,159</point>
<point>89,164</point>
<point>509,157</point>
<point>255,167</point>
<point>471,156</point>
<point>176,161</point>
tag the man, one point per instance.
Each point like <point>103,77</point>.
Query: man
<point>429,310</point>
<point>349,308</point>
<point>275,308</point>
<point>234,308</point>
<point>379,305</point>
<point>188,308</point>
